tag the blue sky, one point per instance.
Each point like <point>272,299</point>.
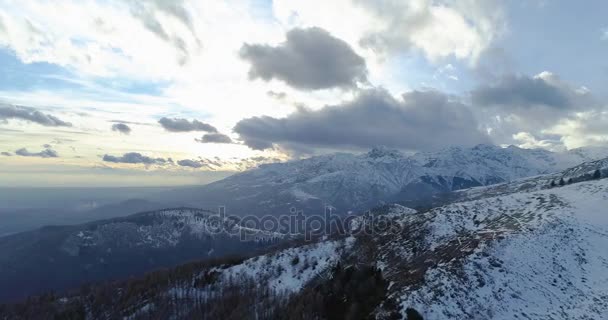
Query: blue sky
<point>236,66</point>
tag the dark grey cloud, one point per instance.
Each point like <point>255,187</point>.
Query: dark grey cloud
<point>519,104</point>
<point>522,92</point>
<point>215,138</point>
<point>7,154</point>
<point>421,120</point>
<point>309,59</point>
<point>46,153</point>
<point>122,128</point>
<point>191,163</point>
<point>184,125</point>
<point>135,158</point>
<point>8,111</point>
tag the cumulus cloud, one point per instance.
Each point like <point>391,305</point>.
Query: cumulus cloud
<point>191,163</point>
<point>47,153</point>
<point>531,104</point>
<point>122,128</point>
<point>309,59</point>
<point>420,120</point>
<point>215,138</point>
<point>136,158</point>
<point>184,125</point>
<point>516,91</point>
<point>8,111</point>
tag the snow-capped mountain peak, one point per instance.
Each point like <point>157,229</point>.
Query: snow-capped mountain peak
<point>352,182</point>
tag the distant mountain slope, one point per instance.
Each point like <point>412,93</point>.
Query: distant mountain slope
<point>527,253</point>
<point>358,182</point>
<point>19,220</point>
<point>60,257</point>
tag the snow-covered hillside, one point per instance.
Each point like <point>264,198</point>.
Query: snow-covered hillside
<point>120,247</point>
<point>160,229</point>
<point>539,255</point>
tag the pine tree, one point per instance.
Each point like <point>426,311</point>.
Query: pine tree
<point>412,314</point>
<point>552,183</point>
<point>597,174</point>
<point>562,182</point>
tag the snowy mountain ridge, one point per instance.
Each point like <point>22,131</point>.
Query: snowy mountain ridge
<point>356,182</point>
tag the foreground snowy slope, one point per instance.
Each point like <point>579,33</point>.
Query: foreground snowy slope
<point>541,255</point>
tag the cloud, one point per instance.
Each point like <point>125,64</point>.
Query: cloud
<point>151,12</point>
<point>523,92</point>
<point>135,158</point>
<point>539,111</point>
<point>191,163</point>
<point>215,138</point>
<point>30,114</point>
<point>420,120</point>
<point>122,128</point>
<point>47,153</point>
<point>279,95</point>
<point>519,103</point>
<point>96,37</point>
<point>309,59</point>
<point>131,122</point>
<point>184,125</point>
<point>462,29</point>
<point>530,141</point>
<point>438,29</point>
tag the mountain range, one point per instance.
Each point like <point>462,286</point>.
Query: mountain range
<point>465,188</point>
<point>526,249</point>
<point>350,182</point>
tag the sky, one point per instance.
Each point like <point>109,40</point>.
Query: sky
<point>178,92</point>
